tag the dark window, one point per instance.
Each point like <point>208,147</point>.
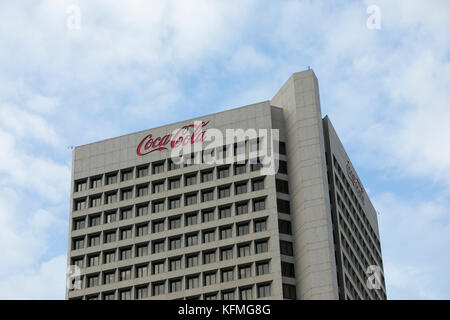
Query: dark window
<point>286,248</point>
<point>283,206</point>
<point>284,226</point>
<point>282,186</point>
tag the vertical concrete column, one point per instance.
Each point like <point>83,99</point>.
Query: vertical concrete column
<point>310,205</point>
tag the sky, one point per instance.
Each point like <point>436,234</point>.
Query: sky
<point>73,72</point>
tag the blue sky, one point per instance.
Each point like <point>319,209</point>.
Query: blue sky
<point>133,65</point>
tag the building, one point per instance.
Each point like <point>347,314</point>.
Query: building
<point>143,226</point>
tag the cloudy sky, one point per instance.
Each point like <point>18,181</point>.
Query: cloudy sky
<point>132,65</point>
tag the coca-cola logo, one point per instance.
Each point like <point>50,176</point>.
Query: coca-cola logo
<point>192,133</point>
<point>355,181</point>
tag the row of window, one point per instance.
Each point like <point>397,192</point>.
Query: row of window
<point>157,289</point>
<point>190,239</point>
<point>191,198</point>
<point>175,221</point>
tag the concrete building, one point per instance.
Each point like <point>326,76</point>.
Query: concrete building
<point>144,227</point>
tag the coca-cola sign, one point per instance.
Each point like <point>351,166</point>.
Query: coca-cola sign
<point>192,133</point>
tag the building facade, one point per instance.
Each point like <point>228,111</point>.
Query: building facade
<point>220,225</point>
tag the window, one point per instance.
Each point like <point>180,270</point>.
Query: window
<point>158,186</point>
<point>127,194</point>
<point>226,233</point>
<point>282,167</point>
<point>283,206</point>
<point>110,217</point>
<point>158,288</point>
<point>191,199</point>
<point>110,236</point>
<point>94,260</point>
<point>286,248</point>
<point>174,183</point>
<point>125,254</point>
<point>125,274</point>
<point>207,176</point>
<point>158,267</point>
<point>175,223</point>
<point>192,282</point>
<point>110,256</point>
<point>289,291</point>
<point>191,261</point>
<point>158,246</point>
<point>142,292</point>
<point>223,173</point>
<point>96,201</point>
<point>93,281</point>
<point>175,285</point>
<point>228,295</point>
<point>142,191</point>
<point>141,210</point>
<point>80,186</point>
<point>125,294</point>
<point>191,180</point>
<point>142,230</point>
<point>224,212</point>
<point>78,244</point>
<point>158,168</point>
<point>245,272</point>
<point>209,257</point>
<point>94,220</point>
<point>175,243</point>
<point>258,184</point>
<point>239,168</point>
<point>287,269</point>
<point>78,262</point>
<point>109,277</point>
<point>259,205</point>
<point>127,175</point>
<point>158,206</point>
<point>93,297</point>
<point>175,264</point>
<point>242,208</point>
<point>207,195</point>
<point>208,216</point>
<point>239,148</point>
<point>191,219</point>
<point>260,225</point>
<point>208,236</point>
<point>141,250</point>
<point>263,290</point>
<point>191,240</point>
<point>240,188</point>
<point>125,234</point>
<point>94,240</point>
<point>246,293</point>
<point>226,254</point>
<point>109,296</point>
<point>111,197</point>
<point>79,224</point>
<point>282,147</point>
<point>174,203</point>
<point>255,164</point>
<point>111,178</point>
<point>244,250</point>
<point>142,172</point>
<point>261,246</point>
<point>282,186</point>
<point>224,192</point>
<point>243,229</point>
<point>80,204</point>
<point>96,182</point>
<point>212,296</point>
<point>227,275</point>
<point>209,278</point>
<point>262,268</point>
<point>158,226</point>
<point>141,271</point>
<point>284,226</point>
<point>173,165</point>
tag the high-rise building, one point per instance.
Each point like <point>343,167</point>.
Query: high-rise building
<point>225,223</point>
